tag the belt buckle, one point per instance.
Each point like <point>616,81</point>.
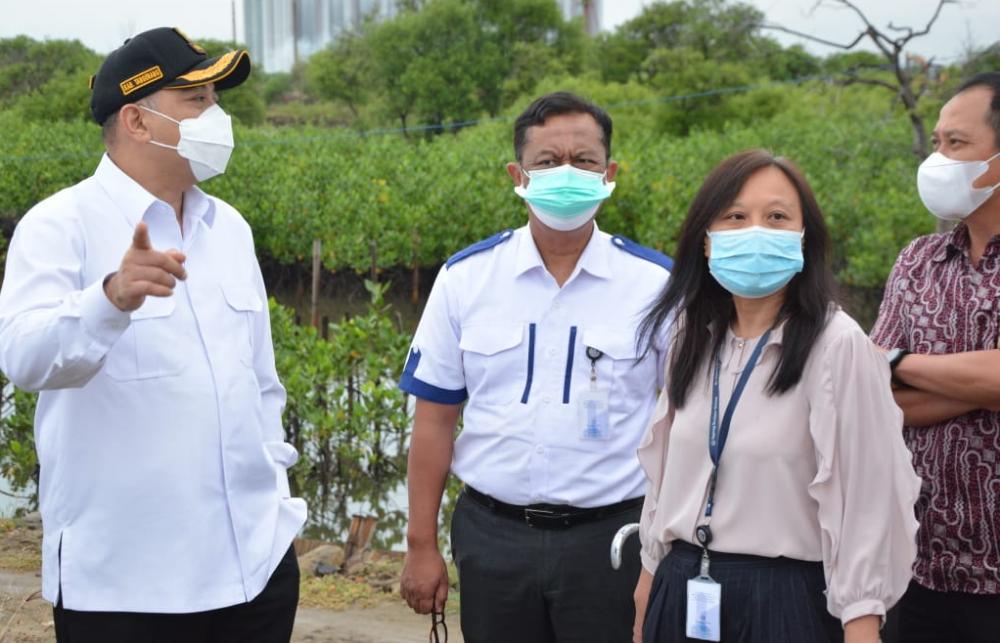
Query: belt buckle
<point>543,518</point>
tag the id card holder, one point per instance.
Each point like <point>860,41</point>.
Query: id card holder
<point>704,608</point>
<point>592,414</point>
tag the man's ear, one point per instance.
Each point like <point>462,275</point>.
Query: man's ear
<point>516,175</point>
<point>612,170</point>
<point>132,123</point>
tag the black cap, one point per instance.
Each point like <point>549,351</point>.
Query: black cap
<point>162,58</point>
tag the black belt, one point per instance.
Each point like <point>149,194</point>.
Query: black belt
<point>545,516</point>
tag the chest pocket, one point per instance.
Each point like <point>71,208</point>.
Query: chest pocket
<point>495,358</point>
<point>242,302</point>
<point>148,347</point>
<point>617,369</point>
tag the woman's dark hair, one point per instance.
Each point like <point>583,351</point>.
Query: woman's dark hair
<point>704,309</point>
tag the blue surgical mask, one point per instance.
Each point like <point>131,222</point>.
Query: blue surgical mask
<point>755,262</point>
<point>565,197</point>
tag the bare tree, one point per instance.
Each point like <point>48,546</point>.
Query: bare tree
<point>891,47</point>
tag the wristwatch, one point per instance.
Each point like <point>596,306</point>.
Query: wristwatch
<point>895,356</point>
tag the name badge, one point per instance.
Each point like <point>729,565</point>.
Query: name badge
<point>704,606</point>
<point>592,414</point>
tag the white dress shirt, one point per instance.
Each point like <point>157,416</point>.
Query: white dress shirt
<point>499,330</point>
<point>163,462</point>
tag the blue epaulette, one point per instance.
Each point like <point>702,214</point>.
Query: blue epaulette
<point>479,246</point>
<point>633,248</point>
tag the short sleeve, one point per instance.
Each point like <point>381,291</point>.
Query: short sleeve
<point>433,369</point>
<point>888,331</point>
<point>865,485</point>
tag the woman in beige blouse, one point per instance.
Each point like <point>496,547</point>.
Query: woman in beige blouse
<point>810,528</point>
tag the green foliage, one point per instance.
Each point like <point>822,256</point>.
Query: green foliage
<point>852,61</point>
<point>27,65</point>
<point>276,86</point>
<point>46,81</point>
<point>683,71</point>
<point>345,415</point>
<point>983,60</point>
<point>342,72</point>
<point>447,61</point>
<point>718,30</point>
<point>66,97</point>
<point>418,201</point>
<point>18,460</point>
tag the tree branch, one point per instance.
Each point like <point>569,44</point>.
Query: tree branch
<point>823,41</point>
<point>911,34</point>
<point>15,496</point>
<point>908,30</point>
<point>882,41</point>
<point>926,30</point>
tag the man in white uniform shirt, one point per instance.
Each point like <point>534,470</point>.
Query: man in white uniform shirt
<point>535,331</point>
<point>134,303</point>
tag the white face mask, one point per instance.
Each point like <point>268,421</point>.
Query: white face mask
<point>206,141</point>
<point>945,186</point>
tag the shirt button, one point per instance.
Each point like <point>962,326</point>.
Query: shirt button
<point>551,352</point>
<point>546,398</point>
<point>539,449</point>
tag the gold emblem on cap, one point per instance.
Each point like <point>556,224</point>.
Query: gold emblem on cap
<point>211,71</point>
<point>141,79</point>
<point>198,49</point>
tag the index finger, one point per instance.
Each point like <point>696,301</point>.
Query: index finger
<point>140,238</point>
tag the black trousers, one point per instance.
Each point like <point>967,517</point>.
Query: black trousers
<point>268,618</point>
<point>927,616</point>
<point>764,600</point>
<point>531,585</point>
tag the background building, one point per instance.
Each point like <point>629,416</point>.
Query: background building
<point>589,10</point>
<point>279,32</point>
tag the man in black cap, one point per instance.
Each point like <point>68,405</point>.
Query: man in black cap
<point>134,303</point>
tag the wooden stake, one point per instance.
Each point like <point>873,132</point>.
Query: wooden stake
<point>314,299</point>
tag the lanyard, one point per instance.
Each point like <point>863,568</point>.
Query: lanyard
<point>593,354</point>
<point>718,433</point>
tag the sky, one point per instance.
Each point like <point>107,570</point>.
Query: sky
<point>103,24</point>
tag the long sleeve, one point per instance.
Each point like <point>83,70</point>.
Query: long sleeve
<point>55,331</point>
<point>865,485</point>
<point>889,330</point>
<point>272,393</point>
<point>653,458</point>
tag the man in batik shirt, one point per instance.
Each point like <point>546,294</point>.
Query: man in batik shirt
<point>939,324</point>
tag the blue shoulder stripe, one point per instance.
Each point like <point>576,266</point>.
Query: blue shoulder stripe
<point>480,246</point>
<point>633,248</point>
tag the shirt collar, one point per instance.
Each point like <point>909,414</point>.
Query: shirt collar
<point>135,201</point>
<point>958,243</point>
<point>594,259</point>
<point>777,335</point>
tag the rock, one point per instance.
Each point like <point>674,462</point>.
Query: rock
<point>327,555</point>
